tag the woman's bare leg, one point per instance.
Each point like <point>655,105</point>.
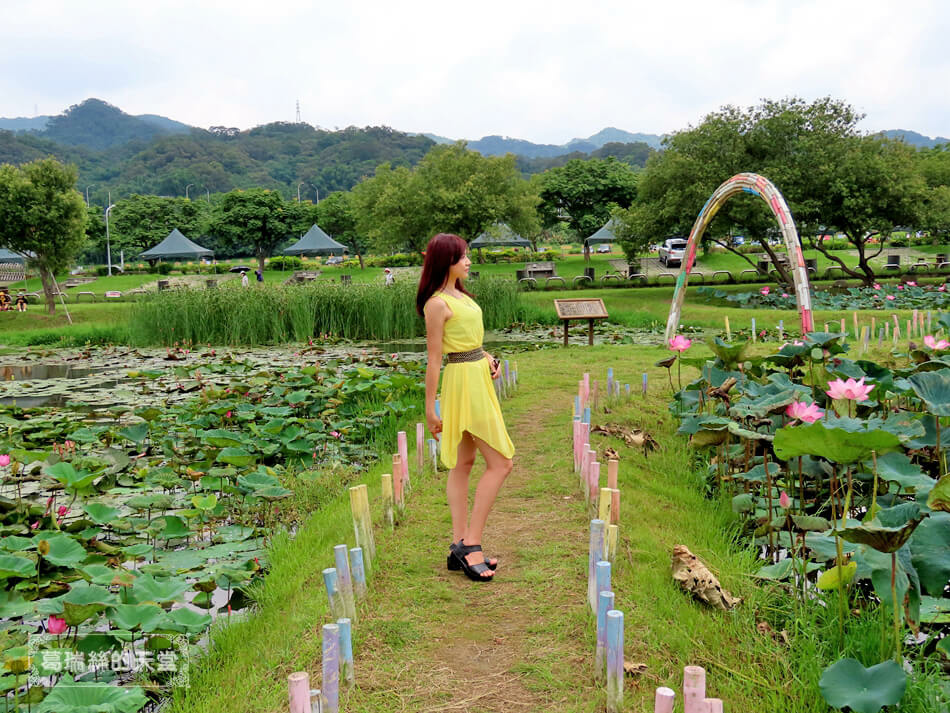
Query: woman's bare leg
<point>497,469</point>
<point>456,487</point>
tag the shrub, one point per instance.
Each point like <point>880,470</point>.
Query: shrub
<point>285,262</point>
<point>163,268</point>
<point>102,270</point>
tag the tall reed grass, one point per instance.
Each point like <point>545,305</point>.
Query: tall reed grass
<point>274,314</point>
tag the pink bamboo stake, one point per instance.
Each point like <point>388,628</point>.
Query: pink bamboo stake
<point>613,467</point>
<point>594,484</point>
<point>299,685</point>
<point>397,478</point>
<point>614,506</point>
<point>577,445</point>
<point>663,703</point>
<point>586,398</point>
<point>420,449</point>
<point>586,459</point>
<point>402,446</point>
<point>712,705</point>
<point>694,689</point>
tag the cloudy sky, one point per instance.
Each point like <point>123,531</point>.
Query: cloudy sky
<point>543,71</point>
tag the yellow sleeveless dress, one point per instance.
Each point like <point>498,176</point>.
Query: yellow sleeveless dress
<point>468,398</point>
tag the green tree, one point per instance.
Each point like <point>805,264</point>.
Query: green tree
<point>452,190</point>
<point>257,219</point>
<point>583,193</point>
<point>42,216</point>
<point>337,216</point>
<point>95,246</point>
<point>141,222</point>
<point>832,177</point>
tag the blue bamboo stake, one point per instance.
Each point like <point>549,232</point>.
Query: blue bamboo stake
<point>781,327</point>
<point>644,383</point>
<point>586,418</point>
<point>316,701</point>
<point>438,409</point>
<point>347,673</point>
<point>627,386</point>
<point>343,580</point>
<point>605,602</point>
<point>602,576</point>
<point>508,383</point>
<point>333,594</point>
<point>753,330</point>
<point>577,406</point>
<point>598,533</point>
<point>358,571</point>
<point>610,381</point>
<point>331,668</point>
<point>614,661</point>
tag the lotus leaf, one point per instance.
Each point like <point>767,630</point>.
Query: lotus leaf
<point>934,611</point>
<point>729,354</point>
<point>13,605</point>
<point>184,560</point>
<point>144,617</point>
<point>943,646</point>
<point>757,474</point>
<point>933,388</point>
<point>220,438</point>
<point>930,553</point>
<point>889,530</point>
<point>137,433</point>
<point>174,527</point>
<point>98,642</point>
<point>101,514</point>
<point>778,571</point>
<point>205,502</point>
<point>233,533</point>
<point>834,444</point>
<point>939,498</point>
<point>837,576</point>
<point>235,456</point>
<point>847,684</point>
<point>187,621</point>
<point>203,600</point>
<point>896,467</point>
<point>149,589</point>
<point>255,480</point>
<point>139,550</point>
<point>69,696</point>
<point>83,593</point>
<point>64,551</point>
<point>14,566</point>
<point>72,480</point>
<point>14,543</point>
<point>108,576</point>
<point>810,523</point>
<point>876,566</point>
<point>743,503</point>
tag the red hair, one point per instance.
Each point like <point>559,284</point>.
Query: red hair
<point>443,251</point>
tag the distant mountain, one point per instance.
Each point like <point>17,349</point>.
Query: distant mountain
<point>500,145</point>
<point>611,135</point>
<point>23,123</point>
<point>915,139</point>
<point>163,122</point>
<point>435,137</point>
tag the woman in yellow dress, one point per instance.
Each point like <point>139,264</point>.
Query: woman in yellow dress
<point>471,417</point>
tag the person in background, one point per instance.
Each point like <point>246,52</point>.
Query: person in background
<point>244,281</point>
<point>390,278</point>
<point>260,275</point>
<point>21,301</point>
<point>5,303</point>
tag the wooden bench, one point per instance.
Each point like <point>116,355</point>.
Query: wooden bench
<point>540,269</point>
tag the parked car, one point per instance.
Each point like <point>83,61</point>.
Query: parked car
<point>603,248</point>
<point>334,260</point>
<point>738,240</point>
<point>672,251</point>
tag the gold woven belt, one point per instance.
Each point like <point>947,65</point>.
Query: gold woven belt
<point>462,357</point>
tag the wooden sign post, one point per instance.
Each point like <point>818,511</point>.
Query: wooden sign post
<point>589,308</point>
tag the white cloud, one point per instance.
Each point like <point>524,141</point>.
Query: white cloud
<point>544,71</point>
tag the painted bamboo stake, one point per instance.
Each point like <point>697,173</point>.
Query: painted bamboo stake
<point>577,406</point>
<point>434,453</point>
<point>856,331</point>
<point>826,327</point>
<point>402,446</point>
<point>316,701</point>
<point>644,387</point>
<point>586,380</point>
<point>605,602</point>
<point>615,506</point>
<point>508,383</point>
<point>438,408</point>
<point>712,705</point>
<point>610,380</point>
<point>368,521</point>
<point>334,598</point>
<point>873,326</point>
<point>582,472</point>
<point>613,538</point>
<point>929,321</point>
<point>598,532</point>
<point>580,391</point>
<point>664,699</point>
<point>602,577</point>
<point>694,689</point>
<point>586,418</point>
<point>347,672</point>
<point>398,482</point>
<point>358,571</point>
<point>386,488</point>
<point>420,447</point>
<point>344,581</point>
<point>880,336</point>
<point>596,390</point>
<point>844,330</point>
<point>613,468</point>
<point>915,332</point>
<point>298,684</point>
<point>781,328</point>
<point>331,668</point>
<point>614,661</point>
<point>359,531</point>
<point>603,505</point>
<point>594,486</point>
<point>910,330</point>
<point>865,337</point>
<point>627,386</point>
<point>754,336</point>
<point>728,330</point>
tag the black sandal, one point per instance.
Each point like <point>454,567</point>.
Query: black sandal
<point>452,563</point>
<point>472,571</point>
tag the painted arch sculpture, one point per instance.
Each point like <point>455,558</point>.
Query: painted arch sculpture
<point>763,188</point>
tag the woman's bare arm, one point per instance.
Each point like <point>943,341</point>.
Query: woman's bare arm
<point>436,313</point>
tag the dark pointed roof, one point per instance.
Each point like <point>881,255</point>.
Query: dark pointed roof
<point>10,256</point>
<point>175,245</point>
<point>500,235</point>
<point>605,234</point>
<point>315,242</point>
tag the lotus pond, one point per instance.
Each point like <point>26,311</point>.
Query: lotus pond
<point>135,506</point>
<point>909,295</point>
<point>838,467</point>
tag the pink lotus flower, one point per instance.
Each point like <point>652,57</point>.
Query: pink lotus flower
<point>680,344</point>
<point>765,291</point>
<point>876,286</point>
<point>4,460</point>
<point>850,389</point>
<point>912,284</point>
<point>55,624</point>
<point>227,415</point>
<point>35,525</point>
<point>934,344</point>
<point>900,287</point>
<point>61,512</point>
<point>809,413</point>
<point>891,297</point>
<point>785,294</point>
<point>335,434</point>
<point>784,500</point>
<point>942,288</point>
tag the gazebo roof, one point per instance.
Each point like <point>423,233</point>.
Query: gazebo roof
<point>175,245</point>
<point>498,236</point>
<point>604,235</point>
<point>10,256</point>
<point>315,242</point>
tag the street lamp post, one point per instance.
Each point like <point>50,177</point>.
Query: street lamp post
<point>87,193</point>
<point>208,193</point>
<point>108,242</point>
<point>317,191</point>
<point>302,183</point>
<point>186,190</point>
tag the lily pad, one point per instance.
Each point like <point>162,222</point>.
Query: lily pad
<point>834,444</point>
<point>69,696</point>
<point>64,551</point>
<point>939,498</point>
<point>235,456</point>
<point>101,514</point>
<point>896,467</point>
<point>837,577</point>
<point>13,566</point>
<point>933,388</point>
<point>848,684</point>
<point>142,617</point>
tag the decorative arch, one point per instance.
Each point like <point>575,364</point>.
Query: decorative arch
<point>763,188</point>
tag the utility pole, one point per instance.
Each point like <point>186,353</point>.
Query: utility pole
<point>108,242</point>
<point>186,190</point>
